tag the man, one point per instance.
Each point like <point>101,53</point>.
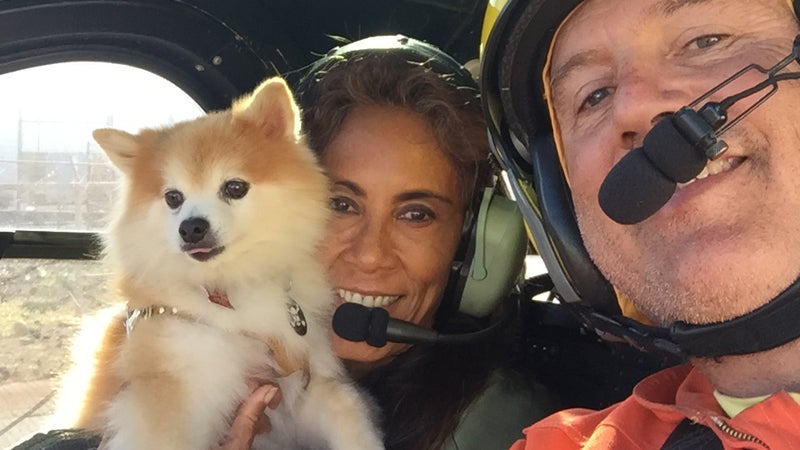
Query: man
<point>573,87</point>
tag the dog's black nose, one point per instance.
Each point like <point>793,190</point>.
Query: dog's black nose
<point>193,230</point>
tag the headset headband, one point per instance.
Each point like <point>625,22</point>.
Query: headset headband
<point>397,49</point>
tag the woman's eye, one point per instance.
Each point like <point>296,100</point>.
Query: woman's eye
<point>341,205</point>
<point>706,41</point>
<point>595,97</point>
<point>417,215</point>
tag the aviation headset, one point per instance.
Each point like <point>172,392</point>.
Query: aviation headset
<point>493,245</point>
<point>521,136</point>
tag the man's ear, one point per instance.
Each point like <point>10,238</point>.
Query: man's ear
<point>271,107</point>
<point>121,147</point>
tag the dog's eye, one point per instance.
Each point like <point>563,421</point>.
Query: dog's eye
<point>173,198</point>
<point>235,189</point>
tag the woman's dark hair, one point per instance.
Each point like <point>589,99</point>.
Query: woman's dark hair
<point>439,90</point>
<point>423,392</point>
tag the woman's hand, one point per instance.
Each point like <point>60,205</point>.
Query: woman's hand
<point>251,420</point>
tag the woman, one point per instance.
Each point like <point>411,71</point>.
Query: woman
<point>398,127</point>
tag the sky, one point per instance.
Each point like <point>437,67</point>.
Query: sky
<point>91,89</point>
<point>60,104</point>
<point>47,115</point>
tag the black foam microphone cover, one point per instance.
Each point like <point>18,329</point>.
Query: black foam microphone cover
<point>357,323</point>
<point>646,178</point>
<point>378,325</point>
<point>351,322</point>
<point>634,189</point>
<point>671,153</point>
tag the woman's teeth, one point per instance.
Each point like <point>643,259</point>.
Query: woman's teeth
<point>381,301</point>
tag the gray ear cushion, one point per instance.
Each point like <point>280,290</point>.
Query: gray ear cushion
<point>499,255</point>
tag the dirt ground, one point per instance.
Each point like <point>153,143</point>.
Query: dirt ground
<point>42,303</point>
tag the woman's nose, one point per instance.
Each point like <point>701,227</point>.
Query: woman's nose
<point>371,247</point>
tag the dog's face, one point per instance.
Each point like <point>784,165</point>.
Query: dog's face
<point>234,191</point>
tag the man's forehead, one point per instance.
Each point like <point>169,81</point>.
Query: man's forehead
<point>655,8</point>
<point>590,11</point>
<point>571,50</point>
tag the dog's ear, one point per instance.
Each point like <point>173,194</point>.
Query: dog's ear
<point>121,147</point>
<point>270,107</point>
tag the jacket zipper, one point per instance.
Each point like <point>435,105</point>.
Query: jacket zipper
<point>727,429</point>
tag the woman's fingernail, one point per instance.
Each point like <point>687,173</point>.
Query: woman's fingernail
<point>270,394</point>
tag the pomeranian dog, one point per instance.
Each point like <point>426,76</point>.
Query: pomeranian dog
<point>214,250</point>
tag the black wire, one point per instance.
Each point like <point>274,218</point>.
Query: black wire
<point>771,81</point>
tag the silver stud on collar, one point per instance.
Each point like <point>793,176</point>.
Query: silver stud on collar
<point>145,313</point>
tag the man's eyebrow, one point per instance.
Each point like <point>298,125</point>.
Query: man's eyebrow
<point>669,7</point>
<point>574,62</point>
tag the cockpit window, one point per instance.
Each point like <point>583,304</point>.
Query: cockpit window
<point>53,176</point>
<point>55,179</point>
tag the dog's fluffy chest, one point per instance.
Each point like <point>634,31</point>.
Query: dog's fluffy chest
<point>219,365</point>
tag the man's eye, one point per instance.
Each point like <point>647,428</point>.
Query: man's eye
<point>341,204</point>
<point>595,97</point>
<point>706,41</point>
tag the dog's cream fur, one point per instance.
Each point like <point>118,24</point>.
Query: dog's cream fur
<point>175,381</point>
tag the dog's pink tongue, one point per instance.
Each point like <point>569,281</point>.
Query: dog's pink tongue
<point>199,250</point>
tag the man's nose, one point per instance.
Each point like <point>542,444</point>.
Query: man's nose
<point>643,98</point>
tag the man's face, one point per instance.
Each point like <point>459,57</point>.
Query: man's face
<point>727,243</point>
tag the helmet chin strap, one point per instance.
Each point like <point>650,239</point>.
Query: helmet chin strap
<point>771,325</point>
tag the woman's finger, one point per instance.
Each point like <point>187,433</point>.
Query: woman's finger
<point>273,399</point>
<point>251,420</point>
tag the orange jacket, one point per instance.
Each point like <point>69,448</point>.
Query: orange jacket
<point>658,404</point>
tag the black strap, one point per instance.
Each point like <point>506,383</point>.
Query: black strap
<point>691,435</point>
<point>764,328</point>
<point>769,326</point>
<point>62,440</point>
